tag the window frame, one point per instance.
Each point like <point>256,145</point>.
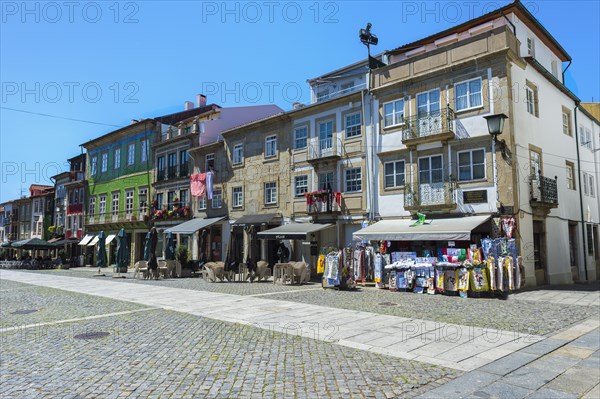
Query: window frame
<point>217,199</point>
<point>270,188</point>
<point>202,203</point>
<point>395,173</point>
<point>207,160</point>
<point>115,198</point>
<point>570,169</point>
<point>238,152</point>
<point>300,190</point>
<point>102,204</point>
<point>117,158</point>
<point>129,196</point>
<point>269,146</point>
<point>394,113</point>
<point>359,125</point>
<point>92,206</point>
<point>296,129</point>
<point>237,197</point>
<point>471,165</point>
<point>354,180</point>
<point>104,163</point>
<point>145,153</point>
<point>130,154</point>
<point>468,95</point>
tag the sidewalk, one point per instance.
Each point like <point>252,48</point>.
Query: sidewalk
<point>455,346</point>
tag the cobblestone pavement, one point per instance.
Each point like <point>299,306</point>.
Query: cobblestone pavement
<point>22,304</point>
<point>525,312</point>
<point>159,353</point>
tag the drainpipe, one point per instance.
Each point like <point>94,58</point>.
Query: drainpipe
<point>563,72</point>
<point>362,97</point>
<point>580,191</point>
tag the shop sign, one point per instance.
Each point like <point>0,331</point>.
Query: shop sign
<point>475,197</point>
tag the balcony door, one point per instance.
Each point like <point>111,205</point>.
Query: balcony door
<point>429,119</point>
<point>325,138</point>
<point>431,180</point>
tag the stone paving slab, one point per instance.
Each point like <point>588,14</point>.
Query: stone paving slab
<point>414,334</point>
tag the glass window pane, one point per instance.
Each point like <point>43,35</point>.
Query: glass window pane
<point>478,156</point>
<point>464,173</point>
<point>436,162</point>
<point>464,158</point>
<point>478,171</point>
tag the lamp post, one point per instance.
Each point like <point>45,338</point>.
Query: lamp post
<point>495,125</point>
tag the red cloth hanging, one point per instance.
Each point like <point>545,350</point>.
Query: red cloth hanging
<point>198,184</point>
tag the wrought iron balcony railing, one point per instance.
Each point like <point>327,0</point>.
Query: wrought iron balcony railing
<point>323,202</point>
<point>429,126</point>
<point>320,149</point>
<point>430,196</point>
<point>544,191</point>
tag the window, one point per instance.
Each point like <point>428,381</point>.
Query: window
<point>353,125</point>
<point>129,202</point>
<point>471,165</point>
<point>92,206</point>
<point>588,184</point>
<point>300,137</point>
<point>237,194</point>
<point>170,199</point>
<point>468,94</point>
<point>159,200</point>
<point>353,180</point>
<point>566,123</point>
<point>144,150</point>
<point>115,204</point>
<point>217,199</point>
<point>183,197</point>
<point>238,154</point>
<point>117,158</point>
<point>209,162</point>
<point>131,154</point>
<point>323,95</point>
<point>394,174</point>
<point>431,170</point>
<point>270,193</point>
<point>326,181</point>
<point>570,169</point>
<point>589,239</point>
<point>75,196</point>
<point>160,167</point>
<point>104,164</point>
<point>393,113</point>
<point>143,199</point>
<point>201,203</point>
<point>93,164</point>
<point>530,47</point>
<point>102,204</point>
<point>585,137</point>
<point>300,185</point>
<point>270,146</point>
<point>183,163</point>
<point>172,165</point>
<point>531,99</point>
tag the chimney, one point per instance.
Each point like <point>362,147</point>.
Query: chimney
<point>200,100</point>
<point>188,105</point>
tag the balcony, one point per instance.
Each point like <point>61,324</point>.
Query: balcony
<point>324,150</point>
<point>430,196</point>
<point>116,220</point>
<point>428,127</point>
<point>160,175</point>
<point>76,208</point>
<point>184,171</point>
<point>544,193</point>
<point>172,172</point>
<point>323,202</point>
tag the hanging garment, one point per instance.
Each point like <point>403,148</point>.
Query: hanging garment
<point>450,280</point>
<point>209,184</point>
<point>500,274</point>
<point>486,247</point>
<point>491,272</point>
<point>496,227</point>
<point>508,226</point>
<point>518,273</point>
<point>392,280</point>
<point>439,279</point>
<point>198,184</point>
<point>357,259</point>
<point>378,268</point>
<point>509,264</point>
<point>478,279</point>
<point>321,264</point>
<point>463,279</point>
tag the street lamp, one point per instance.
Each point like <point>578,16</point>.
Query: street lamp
<point>495,126</point>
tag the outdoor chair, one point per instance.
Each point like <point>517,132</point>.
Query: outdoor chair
<point>301,273</point>
<point>263,271</point>
<point>141,268</point>
<point>216,270</point>
<point>163,269</point>
<point>283,272</point>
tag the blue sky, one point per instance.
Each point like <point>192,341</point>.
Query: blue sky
<point>110,62</point>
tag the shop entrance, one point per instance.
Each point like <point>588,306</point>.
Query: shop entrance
<point>539,252</point>
<point>573,251</point>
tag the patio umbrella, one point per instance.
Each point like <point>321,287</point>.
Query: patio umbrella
<point>147,246</point>
<point>122,252</point>
<point>203,237</point>
<point>101,260</point>
<point>170,249</point>
<point>250,233</point>
<point>32,243</point>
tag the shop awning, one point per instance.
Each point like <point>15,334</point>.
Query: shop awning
<point>192,226</point>
<point>110,238</point>
<point>256,219</point>
<point>292,231</point>
<point>449,229</point>
<point>93,242</point>
<point>63,242</point>
<point>86,239</point>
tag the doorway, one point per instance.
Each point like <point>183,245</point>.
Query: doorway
<point>539,252</point>
<point>573,251</point>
